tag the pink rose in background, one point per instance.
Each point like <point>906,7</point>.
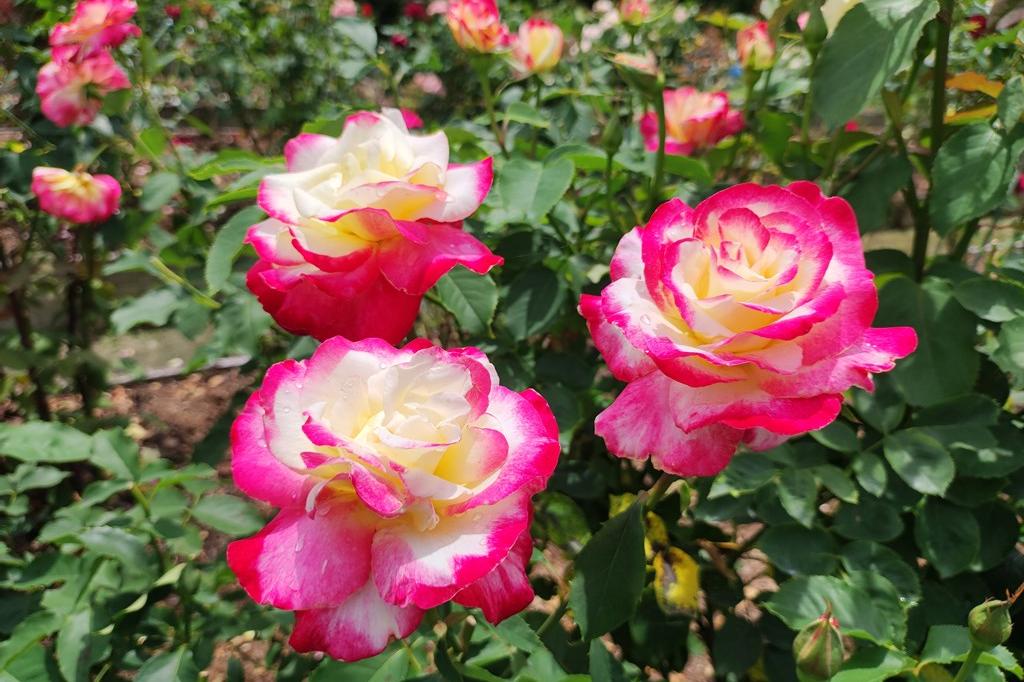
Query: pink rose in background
<point>416,11</point>
<point>742,320</point>
<point>344,8</point>
<point>72,92</point>
<point>428,83</point>
<point>802,19</point>
<point>96,26</point>
<point>694,120</point>
<point>361,226</point>
<point>476,25</point>
<point>400,40</point>
<point>412,119</point>
<point>634,12</point>
<point>538,46</point>
<point>437,7</point>
<point>77,197</point>
<point>404,479</point>
<point>978,24</point>
<point>173,12</point>
<point>755,46</point>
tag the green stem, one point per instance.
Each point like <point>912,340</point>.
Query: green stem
<point>938,112</point>
<point>613,212</point>
<point>968,664</point>
<point>554,616</point>
<point>538,103</point>
<point>657,491</point>
<point>80,311</point>
<point>919,250</point>
<point>964,243</point>
<point>654,197</point>
<point>481,65</point>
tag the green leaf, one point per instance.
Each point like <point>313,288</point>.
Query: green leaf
<point>837,436</point>
<point>873,664</point>
<point>737,647</point>
<point>798,492</point>
<point>1011,102</point>
<point>920,460</point>
<point>228,514</point>
<point>362,33</point>
<point>153,308</point>
<point>521,112</point>
<point>948,536</point>
<point>690,168</point>
<point>44,442</point>
<point>470,297</point>
<point>74,646</point>
<point>228,162</point>
<point>799,550</point>
<point>869,45</point>
<point>159,189</point>
<point>115,451</point>
<point>604,666</point>
<point>837,481</point>
<point>533,303</point>
<point>973,409</point>
<point>871,557</point>
<point>610,573</point>
<point>116,544</point>
<point>530,189</point>
<point>1009,355</point>
<point>173,666</point>
<point>226,246</point>
<point>870,519</point>
<point>871,473</point>
<point>951,644</point>
<point>995,300</point>
<point>394,669</point>
<point>802,600</point>
<point>1001,533</point>
<point>519,634</point>
<point>870,194</point>
<point>970,176</point>
<point>945,363</point>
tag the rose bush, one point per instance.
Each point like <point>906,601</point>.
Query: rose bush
<point>742,319</point>
<point>221,240</point>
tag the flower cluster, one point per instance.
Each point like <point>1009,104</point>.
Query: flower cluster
<point>739,321</point>
<point>404,479</point>
<point>361,226</point>
<point>71,86</point>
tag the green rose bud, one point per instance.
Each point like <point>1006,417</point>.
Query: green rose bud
<point>818,648</point>
<point>815,31</point>
<point>990,624</point>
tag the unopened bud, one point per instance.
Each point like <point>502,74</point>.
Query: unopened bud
<point>611,138</point>
<point>815,31</point>
<point>989,624</point>
<point>818,648</point>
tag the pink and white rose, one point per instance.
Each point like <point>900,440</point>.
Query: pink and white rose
<point>361,226</point>
<point>755,46</point>
<point>476,25</point>
<point>96,26</point>
<point>742,320</point>
<point>634,12</point>
<point>538,46</point>
<point>76,196</point>
<point>342,9</point>
<point>403,478</point>
<point>72,92</point>
<point>694,120</point>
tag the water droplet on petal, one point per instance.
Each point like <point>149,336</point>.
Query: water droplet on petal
<point>645,319</point>
<point>323,567</point>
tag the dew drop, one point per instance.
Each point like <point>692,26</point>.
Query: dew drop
<point>646,319</point>
<point>298,543</point>
<point>323,567</point>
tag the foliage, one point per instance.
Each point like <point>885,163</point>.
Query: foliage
<point>899,517</point>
